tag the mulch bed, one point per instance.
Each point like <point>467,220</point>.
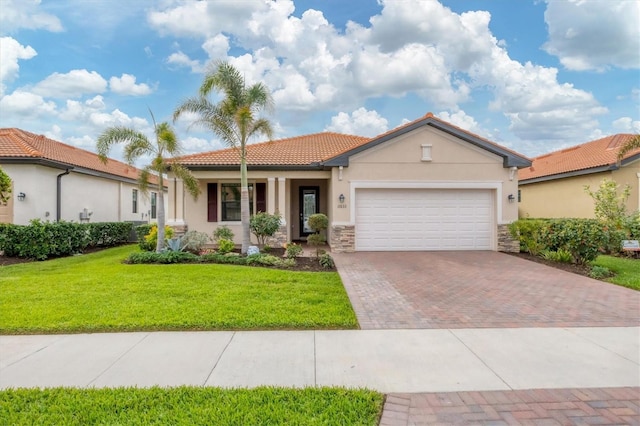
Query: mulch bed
<point>569,267</point>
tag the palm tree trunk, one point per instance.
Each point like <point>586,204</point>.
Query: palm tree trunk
<point>244,207</point>
<point>160,214</point>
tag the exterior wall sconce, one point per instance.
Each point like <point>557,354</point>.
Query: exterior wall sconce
<point>511,198</point>
<point>21,196</point>
<point>341,198</point>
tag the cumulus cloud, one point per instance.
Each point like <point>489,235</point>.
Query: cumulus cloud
<point>360,122</point>
<point>182,60</point>
<point>593,35</point>
<point>126,85</point>
<point>409,48</point>
<point>73,84</point>
<point>627,125</point>
<point>26,14</point>
<point>10,52</point>
<point>20,105</point>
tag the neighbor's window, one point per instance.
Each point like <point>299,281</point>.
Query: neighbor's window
<point>230,201</point>
<point>134,201</point>
<point>154,204</point>
<point>519,196</point>
<point>426,152</point>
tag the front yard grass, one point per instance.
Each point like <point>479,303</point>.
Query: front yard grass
<point>98,293</point>
<point>190,406</point>
<point>627,270</point>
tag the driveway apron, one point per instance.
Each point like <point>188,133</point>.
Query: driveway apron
<point>477,289</point>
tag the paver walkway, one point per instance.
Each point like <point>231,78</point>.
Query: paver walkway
<point>477,290</point>
<point>552,407</point>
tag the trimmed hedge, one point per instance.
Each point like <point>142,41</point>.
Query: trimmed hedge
<point>583,238</point>
<point>41,240</point>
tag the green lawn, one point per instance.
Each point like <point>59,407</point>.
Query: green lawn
<point>190,406</point>
<point>627,270</point>
<point>96,292</point>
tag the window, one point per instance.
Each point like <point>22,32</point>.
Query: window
<point>519,196</point>
<point>154,205</point>
<point>426,152</point>
<point>230,201</point>
<point>134,201</point>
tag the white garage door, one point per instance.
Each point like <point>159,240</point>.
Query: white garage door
<point>424,219</point>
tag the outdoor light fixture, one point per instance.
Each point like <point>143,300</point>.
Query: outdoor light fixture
<point>21,196</point>
<point>511,198</point>
<point>341,198</point>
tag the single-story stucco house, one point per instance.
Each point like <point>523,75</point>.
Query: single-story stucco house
<point>426,185</point>
<point>553,186</point>
<point>53,181</point>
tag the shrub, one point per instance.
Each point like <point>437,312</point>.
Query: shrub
<point>229,258</point>
<point>560,256</point>
<point>263,259</point>
<point>164,257</point>
<point>326,261</point>
<point>41,240</point>
<point>107,234</point>
<point>293,250</point>
<point>600,272</point>
<point>264,225</point>
<point>223,233</point>
<point>225,246</point>
<point>318,222</point>
<point>5,186</point>
<point>632,223</point>
<point>151,239</point>
<point>141,232</point>
<point>528,232</point>
<point>194,241</point>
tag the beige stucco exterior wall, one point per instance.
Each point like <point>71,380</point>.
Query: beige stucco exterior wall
<point>185,210</point>
<point>398,163</point>
<point>108,200</point>
<point>567,197</point>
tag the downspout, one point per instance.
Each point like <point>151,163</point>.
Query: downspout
<point>59,193</point>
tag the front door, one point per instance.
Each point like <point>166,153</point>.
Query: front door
<point>309,204</point>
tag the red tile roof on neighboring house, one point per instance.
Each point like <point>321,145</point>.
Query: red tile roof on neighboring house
<point>17,144</point>
<point>307,149</point>
<point>594,154</point>
<point>299,150</point>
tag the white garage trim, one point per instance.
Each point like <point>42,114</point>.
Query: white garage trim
<point>425,219</point>
<point>495,185</point>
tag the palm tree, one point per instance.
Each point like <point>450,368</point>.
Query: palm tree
<point>630,145</point>
<point>234,120</point>
<point>137,145</point>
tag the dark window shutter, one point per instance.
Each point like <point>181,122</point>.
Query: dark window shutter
<point>212,202</point>
<point>261,197</point>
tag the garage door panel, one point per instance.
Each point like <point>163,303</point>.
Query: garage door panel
<point>424,219</point>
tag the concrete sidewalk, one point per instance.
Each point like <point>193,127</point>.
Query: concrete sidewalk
<point>384,360</point>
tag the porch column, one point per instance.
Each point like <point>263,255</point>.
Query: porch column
<point>271,195</point>
<point>175,214</point>
<point>282,197</point>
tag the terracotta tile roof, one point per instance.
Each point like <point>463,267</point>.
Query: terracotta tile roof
<point>299,150</point>
<point>598,153</point>
<point>305,150</point>
<point>20,144</point>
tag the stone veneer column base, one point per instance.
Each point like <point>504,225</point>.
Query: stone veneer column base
<point>343,238</point>
<point>279,239</point>
<point>506,242</point>
<point>179,229</point>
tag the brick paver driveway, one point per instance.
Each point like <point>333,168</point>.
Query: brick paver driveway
<point>477,289</point>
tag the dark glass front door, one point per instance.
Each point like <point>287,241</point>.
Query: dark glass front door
<point>309,204</point>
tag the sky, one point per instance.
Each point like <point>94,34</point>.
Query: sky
<point>532,75</point>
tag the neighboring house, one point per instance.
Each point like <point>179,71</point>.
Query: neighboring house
<point>426,185</point>
<point>53,181</point>
<point>553,186</point>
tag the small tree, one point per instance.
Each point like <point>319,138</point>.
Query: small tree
<point>318,222</point>
<point>610,208</point>
<point>264,225</point>
<point>5,186</point>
